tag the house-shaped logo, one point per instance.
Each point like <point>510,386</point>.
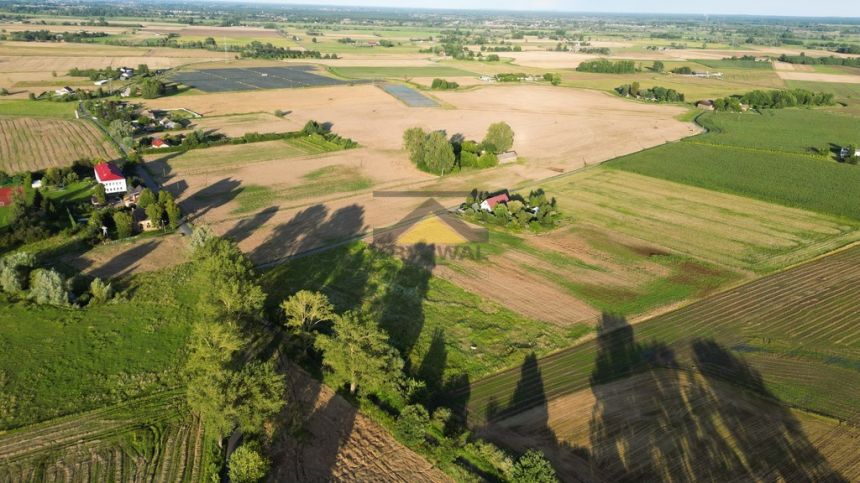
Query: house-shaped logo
<point>430,224</point>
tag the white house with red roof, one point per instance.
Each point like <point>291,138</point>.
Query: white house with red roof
<point>109,175</point>
<point>491,202</point>
<point>160,143</point>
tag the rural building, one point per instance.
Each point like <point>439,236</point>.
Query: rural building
<point>706,104</point>
<point>7,194</point>
<point>142,223</point>
<point>109,175</point>
<point>508,157</point>
<point>488,78</point>
<point>491,202</point>
<point>64,91</point>
<point>36,184</point>
<point>132,196</point>
<point>100,82</point>
<point>160,143</point>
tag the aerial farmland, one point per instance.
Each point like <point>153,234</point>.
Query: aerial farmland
<point>299,243</point>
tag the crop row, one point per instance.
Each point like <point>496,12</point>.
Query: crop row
<point>800,329</point>
<point>148,439</point>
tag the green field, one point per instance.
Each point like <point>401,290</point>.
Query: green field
<point>798,328</point>
<point>795,131</point>
<point>734,64</point>
<point>746,163</point>
<point>399,72</point>
<point>64,360</point>
<point>65,110</point>
<point>841,91</point>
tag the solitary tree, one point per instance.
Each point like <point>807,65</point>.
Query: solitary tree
<point>358,355</point>
<point>146,198</point>
<point>658,66</point>
<point>303,312</point>
<point>501,136</point>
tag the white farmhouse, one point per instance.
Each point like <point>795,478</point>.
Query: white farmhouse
<point>111,177</point>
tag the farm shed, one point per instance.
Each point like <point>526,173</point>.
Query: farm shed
<point>508,157</point>
<point>109,175</point>
<point>160,143</point>
<point>706,104</point>
<point>7,194</point>
<point>491,202</point>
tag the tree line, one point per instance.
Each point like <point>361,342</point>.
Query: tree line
<point>654,94</point>
<point>831,60</point>
<point>535,212</point>
<point>774,99</point>
<point>604,66</point>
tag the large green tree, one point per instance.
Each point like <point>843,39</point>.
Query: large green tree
<point>124,224</point>
<point>358,355</point>
<point>304,311</point>
<point>232,291</point>
<point>500,136</point>
<point>223,396</point>
<point>413,143</point>
<point>438,153</point>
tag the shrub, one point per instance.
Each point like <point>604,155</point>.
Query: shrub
<point>247,465</point>
<point>100,291</point>
<point>14,269</point>
<point>488,160</point>
<point>533,467</point>
<point>412,424</point>
<point>47,287</point>
<point>200,236</point>
<point>468,159</point>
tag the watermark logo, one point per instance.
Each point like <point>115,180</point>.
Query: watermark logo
<point>431,231</point>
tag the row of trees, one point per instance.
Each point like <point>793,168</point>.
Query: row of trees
<point>604,66</point>
<point>20,278</point>
<point>655,94</point>
<point>831,60</point>
<point>442,84</point>
<point>435,153</point>
<point>775,99</point>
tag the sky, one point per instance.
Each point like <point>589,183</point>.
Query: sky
<point>835,8</point>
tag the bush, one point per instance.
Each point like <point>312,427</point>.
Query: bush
<point>100,291</point>
<point>443,84</point>
<point>412,424</point>
<point>468,159</point>
<point>47,287</point>
<point>603,66</point>
<point>247,465</point>
<point>488,160</point>
<point>533,467</point>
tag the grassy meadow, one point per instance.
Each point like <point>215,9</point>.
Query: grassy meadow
<point>63,110</point>
<point>64,360</point>
<point>320,182</point>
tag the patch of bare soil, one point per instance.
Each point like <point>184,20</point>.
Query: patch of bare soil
<point>817,77</point>
<point>123,258</point>
<point>671,426</point>
<point>338,443</point>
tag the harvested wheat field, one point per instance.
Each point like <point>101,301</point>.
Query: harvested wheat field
<point>691,426</point>
<point>340,444</point>
<point>29,144</point>
<point>234,126</point>
<point>819,77</point>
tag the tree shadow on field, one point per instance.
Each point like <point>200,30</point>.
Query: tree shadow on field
<point>124,262</point>
<point>247,226</point>
<point>655,419</point>
<point>211,197</point>
<point>401,308</point>
<point>313,428</point>
<point>312,229</point>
